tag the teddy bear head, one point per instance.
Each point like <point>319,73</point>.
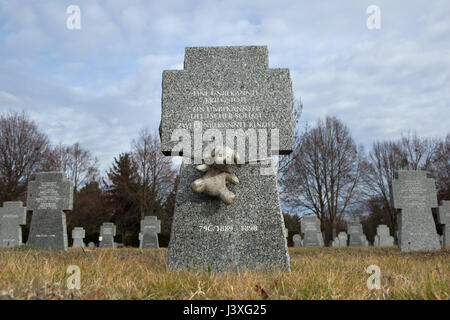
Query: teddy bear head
<point>224,157</point>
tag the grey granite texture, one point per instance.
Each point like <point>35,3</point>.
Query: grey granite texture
<point>228,88</point>
<point>414,194</point>
<point>297,240</point>
<point>107,233</point>
<point>49,194</point>
<point>150,227</point>
<point>310,228</point>
<point>383,237</point>
<point>12,215</point>
<point>444,219</point>
<point>247,234</point>
<point>355,232</point>
<point>78,235</point>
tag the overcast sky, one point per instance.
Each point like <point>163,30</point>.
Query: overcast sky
<point>101,84</point>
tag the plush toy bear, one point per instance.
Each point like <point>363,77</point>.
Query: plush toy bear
<point>213,182</point>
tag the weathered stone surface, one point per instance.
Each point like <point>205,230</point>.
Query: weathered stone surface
<point>414,195</point>
<point>342,239</point>
<point>383,237</point>
<point>91,245</point>
<point>78,235</point>
<point>150,227</point>
<point>48,195</point>
<point>247,234</point>
<point>297,240</point>
<point>12,215</point>
<point>355,232</point>
<point>228,88</point>
<point>310,228</point>
<point>444,219</point>
<point>107,233</point>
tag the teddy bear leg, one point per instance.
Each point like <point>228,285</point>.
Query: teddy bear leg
<point>198,186</point>
<point>227,196</point>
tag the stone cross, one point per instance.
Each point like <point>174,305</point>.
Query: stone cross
<point>78,235</point>
<point>150,227</point>
<point>383,237</point>
<point>355,231</point>
<point>225,93</point>
<point>310,227</point>
<point>12,215</point>
<point>297,240</point>
<point>107,233</point>
<point>342,238</point>
<point>49,194</point>
<point>414,195</point>
<point>444,218</point>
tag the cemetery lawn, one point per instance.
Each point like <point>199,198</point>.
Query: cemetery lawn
<point>326,273</point>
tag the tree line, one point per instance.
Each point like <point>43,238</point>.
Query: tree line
<point>330,176</point>
<point>327,174</point>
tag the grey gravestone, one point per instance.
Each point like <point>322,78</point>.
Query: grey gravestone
<point>91,245</point>
<point>107,233</point>
<point>48,196</point>
<point>150,227</point>
<point>444,219</point>
<point>228,88</point>
<point>12,215</point>
<point>310,227</point>
<point>78,235</point>
<point>342,239</point>
<point>383,237</point>
<point>355,232</point>
<point>335,242</point>
<point>414,195</point>
<point>297,240</point>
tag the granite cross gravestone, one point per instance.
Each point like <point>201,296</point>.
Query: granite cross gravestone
<point>48,196</point>
<point>228,90</point>
<point>107,233</point>
<point>444,219</point>
<point>413,194</point>
<point>383,237</point>
<point>355,232</point>
<point>310,227</point>
<point>297,240</point>
<point>150,227</point>
<point>342,238</point>
<point>78,235</point>
<point>12,215</point>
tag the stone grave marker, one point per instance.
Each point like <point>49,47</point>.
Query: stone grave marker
<point>91,245</point>
<point>78,235</point>
<point>414,194</point>
<point>150,227</point>
<point>107,233</point>
<point>342,238</point>
<point>383,237</point>
<point>310,227</point>
<point>355,232</point>
<point>49,195</point>
<point>223,93</point>
<point>12,215</point>
<point>297,240</point>
<point>444,219</point>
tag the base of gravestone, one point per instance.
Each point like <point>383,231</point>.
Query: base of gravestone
<point>48,230</point>
<point>248,234</point>
<point>423,235</point>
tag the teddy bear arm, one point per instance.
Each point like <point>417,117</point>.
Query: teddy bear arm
<point>232,178</point>
<point>202,168</point>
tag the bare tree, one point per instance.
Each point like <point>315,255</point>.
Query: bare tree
<point>23,149</point>
<point>324,173</point>
<point>156,176</point>
<point>79,164</point>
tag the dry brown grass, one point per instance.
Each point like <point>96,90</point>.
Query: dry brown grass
<point>327,273</point>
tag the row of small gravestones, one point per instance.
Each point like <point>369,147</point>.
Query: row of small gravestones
<point>312,236</point>
<point>48,196</point>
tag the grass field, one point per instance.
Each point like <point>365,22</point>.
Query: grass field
<point>327,273</point>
